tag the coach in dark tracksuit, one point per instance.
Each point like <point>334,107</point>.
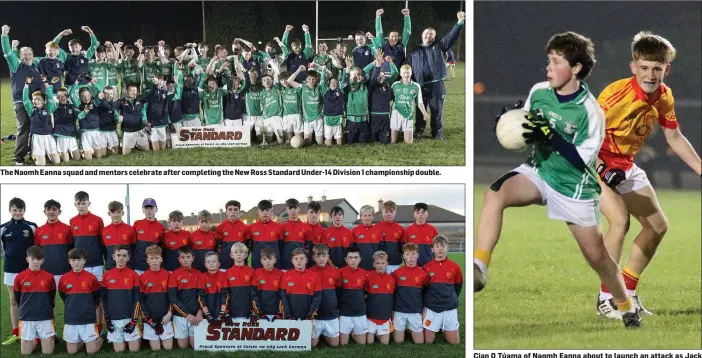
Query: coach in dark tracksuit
<point>20,68</point>
<point>429,70</point>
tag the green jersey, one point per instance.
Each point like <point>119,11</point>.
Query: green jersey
<point>324,61</point>
<point>98,71</point>
<point>166,69</point>
<point>356,101</point>
<point>203,62</point>
<point>271,102</point>
<point>148,72</point>
<point>112,75</point>
<point>580,121</point>
<point>313,99</point>
<point>213,109</point>
<point>406,96</point>
<point>129,71</point>
<point>253,101</point>
<point>291,100</point>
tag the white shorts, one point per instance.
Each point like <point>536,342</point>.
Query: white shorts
<point>56,279</point>
<point>150,334</point>
<point>29,330</point>
<point>391,268</point>
<point>328,328</point>
<point>233,122</point>
<point>636,179</point>
<point>254,121</point>
<point>192,122</point>
<point>135,139</point>
<point>80,333</point>
<point>402,321</point>
<point>585,213</point>
<point>98,271</point>
<point>399,123</point>
<point>380,330</point>
<point>446,321</point>
<point>66,145</point>
<point>357,325</point>
<point>9,278</point>
<point>119,335</point>
<point>43,145</point>
<point>110,139</point>
<point>273,125</point>
<point>90,140</point>
<point>158,134</point>
<point>183,327</point>
<point>332,132</point>
<point>316,126</point>
<point>292,123</point>
<point>140,272</point>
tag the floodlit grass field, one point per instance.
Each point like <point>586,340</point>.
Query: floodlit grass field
<point>542,294</point>
<point>439,349</point>
<point>450,152</point>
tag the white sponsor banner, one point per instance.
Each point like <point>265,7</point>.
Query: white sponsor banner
<point>280,335</point>
<point>212,136</point>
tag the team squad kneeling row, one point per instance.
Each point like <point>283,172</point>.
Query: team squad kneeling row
<point>159,284</point>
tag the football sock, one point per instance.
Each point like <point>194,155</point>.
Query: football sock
<point>482,259</point>
<point>604,294</point>
<point>626,306</point>
<point>631,280</point>
<point>15,331</point>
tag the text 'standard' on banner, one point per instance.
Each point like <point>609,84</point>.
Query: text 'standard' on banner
<point>279,335</point>
<point>212,136</point>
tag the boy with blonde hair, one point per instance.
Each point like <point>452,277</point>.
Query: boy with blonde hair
<point>366,237</point>
<point>156,311</point>
<point>408,304</point>
<point>407,95</point>
<point>241,292</point>
<point>391,234</point>
<point>441,296</point>
<point>380,288</point>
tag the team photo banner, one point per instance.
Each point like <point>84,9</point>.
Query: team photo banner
<point>279,335</point>
<point>212,136</point>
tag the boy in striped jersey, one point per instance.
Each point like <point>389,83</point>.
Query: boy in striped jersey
<point>156,312</point>
<point>410,281</point>
<point>120,297</point>
<point>380,288</point>
<point>327,320</point>
<point>405,93</point>
<point>182,293</point>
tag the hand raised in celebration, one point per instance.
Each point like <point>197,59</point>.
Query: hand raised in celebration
<point>289,28</point>
<point>305,28</point>
<point>379,12</point>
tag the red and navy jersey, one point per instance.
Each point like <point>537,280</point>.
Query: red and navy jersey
<point>265,234</point>
<point>295,234</point>
<point>444,287</point>
<point>422,235</point>
<point>314,236</point>
<point>352,302</point>
<point>241,293</point>
<point>86,230</point>
<point>266,285</point>
<point>56,240</point>
<point>153,287</point>
<point>227,234</point>
<point>301,293</point>
<point>338,239</point>
<point>367,240</point>
<point>80,292</point>
<point>391,240</point>
<point>16,237</point>
<point>172,242</point>
<point>201,242</point>
<point>118,234</point>
<point>182,291</point>
<point>329,279</point>
<point>35,293</point>
<point>147,233</point>
<point>213,291</point>
<point>410,282</point>
<point>120,294</point>
<point>380,288</point>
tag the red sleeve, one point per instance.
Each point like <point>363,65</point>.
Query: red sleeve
<point>95,284</point>
<point>104,279</point>
<point>69,236</point>
<point>317,283</point>
<point>132,233</point>
<point>141,282</point>
<point>218,232</point>
<point>62,284</point>
<point>459,274</point>
<point>338,278</point>
<point>37,238</point>
<point>18,287</point>
<point>101,226</point>
<point>201,282</point>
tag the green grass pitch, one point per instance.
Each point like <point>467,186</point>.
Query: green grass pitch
<point>450,152</point>
<point>542,294</point>
<point>439,349</point>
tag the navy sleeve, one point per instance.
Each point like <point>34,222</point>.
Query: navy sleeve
<point>316,300</point>
<point>103,296</point>
<point>447,41</point>
<point>144,310</point>
<point>52,296</point>
<point>135,300</point>
<point>458,286</point>
<point>286,305</point>
<point>568,151</point>
<point>224,298</point>
<point>96,297</point>
<point>202,300</point>
<point>175,302</point>
<point>255,302</point>
<point>62,295</point>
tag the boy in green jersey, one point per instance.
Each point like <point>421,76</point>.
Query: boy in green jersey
<point>252,97</point>
<point>566,128</point>
<point>292,120</point>
<point>149,68</point>
<point>101,69</point>
<point>272,106</point>
<point>312,96</point>
<point>129,69</point>
<point>356,103</point>
<point>406,94</point>
<point>211,97</point>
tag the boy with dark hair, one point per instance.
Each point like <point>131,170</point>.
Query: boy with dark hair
<point>129,70</point>
<point>296,233</point>
<point>316,230</point>
<point>411,280</point>
<point>441,296</point>
<point>132,116</point>
<point>381,94</point>
<point>337,237</point>
<point>156,311</point>
<point>301,289</point>
<point>173,240</point>
<point>267,287</point>
<point>230,232</point>
<point>86,229</point>
<point>393,47</point>
<point>213,291</point>
<point>298,57</point>
<point>352,303</point>
<point>16,236</point>
<point>86,104</point>
<point>120,297</point>
<point>391,236</point>
<point>55,239</point>
<point>65,119</point>
<point>117,233</point>
<point>109,117</point>
<point>202,241</point>
<point>77,62</point>
<point>35,292</point>
<point>148,232</point>
<point>182,293</point>
<point>265,233</point>
<point>362,54</point>
<point>366,238</point>
<point>421,233</point>
<point>40,108</point>
<point>80,292</point>
<point>156,109</point>
<point>380,288</point>
<point>327,320</point>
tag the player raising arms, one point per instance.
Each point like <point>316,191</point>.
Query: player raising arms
<point>631,105</point>
<point>560,171</point>
<point>393,47</point>
<point>298,57</point>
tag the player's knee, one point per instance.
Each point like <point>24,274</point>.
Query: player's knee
<point>494,199</point>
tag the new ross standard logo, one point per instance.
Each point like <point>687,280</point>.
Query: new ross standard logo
<point>186,134</point>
